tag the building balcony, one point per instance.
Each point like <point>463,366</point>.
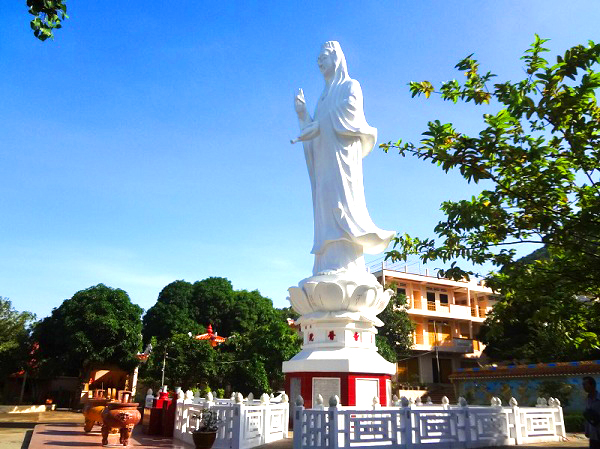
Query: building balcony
<point>454,345</point>
<point>433,309</point>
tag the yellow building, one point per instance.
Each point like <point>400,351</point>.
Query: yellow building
<point>447,315</point>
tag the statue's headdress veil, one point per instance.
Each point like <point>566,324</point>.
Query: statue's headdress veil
<point>341,68</point>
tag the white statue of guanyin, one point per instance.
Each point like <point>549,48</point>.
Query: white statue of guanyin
<point>335,141</point>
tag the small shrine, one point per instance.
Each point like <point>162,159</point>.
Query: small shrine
<point>211,337</point>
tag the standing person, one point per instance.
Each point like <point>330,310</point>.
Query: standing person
<point>592,412</point>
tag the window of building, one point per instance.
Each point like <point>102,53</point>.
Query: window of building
<point>401,291</point>
<point>431,296</point>
<point>443,299</point>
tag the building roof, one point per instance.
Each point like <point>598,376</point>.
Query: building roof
<point>472,285</point>
<point>537,369</point>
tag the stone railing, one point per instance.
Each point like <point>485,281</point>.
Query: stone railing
<point>414,425</point>
<point>245,423</point>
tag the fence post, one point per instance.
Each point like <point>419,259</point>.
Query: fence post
<point>376,404</point>
<point>286,415</point>
<point>445,403</point>
<point>333,430</point>
<point>558,417</point>
<point>237,430</point>
<point>266,421</point>
<point>298,422</point>
<point>466,420</point>
<point>407,436</point>
<point>517,420</point>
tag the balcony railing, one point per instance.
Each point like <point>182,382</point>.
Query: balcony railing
<point>431,305</point>
<point>448,344</point>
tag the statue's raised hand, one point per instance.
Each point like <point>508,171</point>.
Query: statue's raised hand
<point>300,104</point>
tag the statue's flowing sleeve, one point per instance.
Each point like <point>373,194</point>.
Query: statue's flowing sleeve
<point>348,116</point>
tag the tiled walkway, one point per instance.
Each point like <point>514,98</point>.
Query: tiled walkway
<point>70,435</point>
<point>65,429</point>
<point>56,435</point>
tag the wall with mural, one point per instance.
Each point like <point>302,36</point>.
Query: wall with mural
<point>526,383</point>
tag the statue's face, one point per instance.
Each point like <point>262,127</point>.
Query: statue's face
<point>326,63</point>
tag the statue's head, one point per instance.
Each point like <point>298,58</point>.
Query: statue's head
<point>332,62</point>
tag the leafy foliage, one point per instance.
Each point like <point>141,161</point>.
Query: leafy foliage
<point>539,319</point>
<point>189,363</point>
<point>48,15</point>
<point>97,327</point>
<point>15,345</point>
<point>259,337</point>
<point>171,313</point>
<point>540,155</point>
<point>397,329</point>
<point>209,420</point>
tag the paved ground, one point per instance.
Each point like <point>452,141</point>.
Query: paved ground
<point>64,429</point>
<point>16,429</point>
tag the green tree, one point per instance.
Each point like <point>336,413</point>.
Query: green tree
<point>397,328</point>
<point>15,346</point>
<point>538,320</point>
<point>259,334</point>
<point>97,327</point>
<point>48,15</point>
<point>172,313</point>
<point>189,363</point>
<point>539,154</point>
<point>267,346</point>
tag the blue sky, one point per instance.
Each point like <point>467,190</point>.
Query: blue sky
<point>149,143</point>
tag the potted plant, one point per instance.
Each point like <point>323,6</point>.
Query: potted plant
<point>206,433</point>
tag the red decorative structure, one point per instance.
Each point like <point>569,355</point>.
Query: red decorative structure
<point>356,336</point>
<point>211,337</point>
<point>331,335</point>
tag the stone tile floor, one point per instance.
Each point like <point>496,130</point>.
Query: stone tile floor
<point>71,435</point>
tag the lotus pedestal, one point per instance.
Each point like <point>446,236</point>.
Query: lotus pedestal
<point>339,355</point>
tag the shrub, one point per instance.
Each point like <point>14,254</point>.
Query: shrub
<point>574,422</point>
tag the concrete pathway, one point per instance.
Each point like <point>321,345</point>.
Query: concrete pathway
<point>16,429</point>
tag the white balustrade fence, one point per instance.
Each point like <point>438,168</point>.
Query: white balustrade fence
<point>244,424</point>
<point>426,426</point>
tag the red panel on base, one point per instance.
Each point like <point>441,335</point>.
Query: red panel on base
<point>347,386</point>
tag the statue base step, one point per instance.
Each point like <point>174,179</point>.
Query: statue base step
<point>355,375</point>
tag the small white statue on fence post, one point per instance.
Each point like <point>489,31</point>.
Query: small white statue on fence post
<point>265,399</point>
<point>149,398</point>
<point>376,404</point>
<point>445,402</point>
<point>284,398</point>
<point>319,403</point>
<point>418,401</point>
<point>429,401</point>
<point>462,402</point>
<point>334,401</point>
<point>395,401</point>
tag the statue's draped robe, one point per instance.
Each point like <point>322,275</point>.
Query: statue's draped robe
<point>334,160</point>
